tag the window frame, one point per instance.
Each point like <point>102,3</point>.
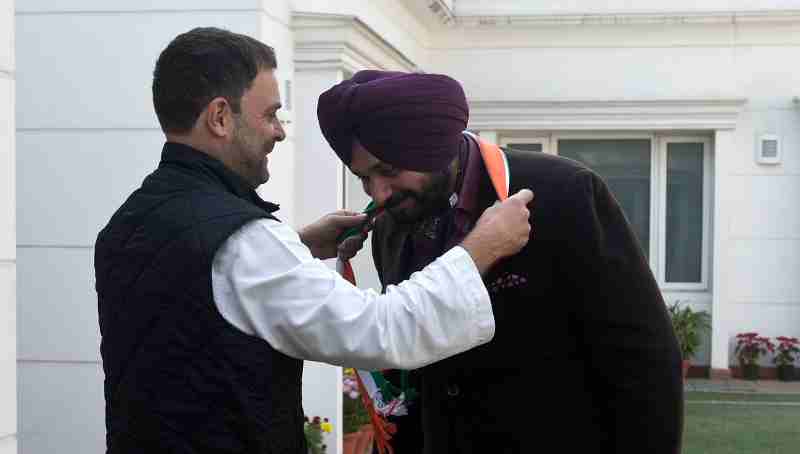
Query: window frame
<point>544,141</point>
<point>703,285</point>
<point>658,194</point>
<point>653,250</point>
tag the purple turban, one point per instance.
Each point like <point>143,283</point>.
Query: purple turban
<point>411,121</point>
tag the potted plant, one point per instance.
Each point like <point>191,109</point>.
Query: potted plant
<point>689,325</point>
<point>749,348</point>
<point>314,429</point>
<point>358,434</point>
<point>787,351</point>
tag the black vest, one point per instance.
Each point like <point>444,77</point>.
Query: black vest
<point>178,377</point>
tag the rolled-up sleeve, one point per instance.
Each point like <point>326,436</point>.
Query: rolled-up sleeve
<point>267,284</point>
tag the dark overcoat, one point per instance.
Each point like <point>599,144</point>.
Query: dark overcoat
<point>584,358</point>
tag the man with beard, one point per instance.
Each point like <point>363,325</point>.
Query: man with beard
<point>208,304</point>
<point>584,344</point>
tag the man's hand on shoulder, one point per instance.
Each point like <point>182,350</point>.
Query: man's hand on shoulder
<point>320,236</point>
<point>501,231</point>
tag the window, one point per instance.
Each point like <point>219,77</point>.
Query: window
<point>662,185</point>
<point>686,199</point>
<point>625,165</point>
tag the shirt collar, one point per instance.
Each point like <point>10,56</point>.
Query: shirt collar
<point>213,169</point>
<point>472,181</point>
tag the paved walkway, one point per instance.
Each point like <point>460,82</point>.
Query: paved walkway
<point>742,386</point>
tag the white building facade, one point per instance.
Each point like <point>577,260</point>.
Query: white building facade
<point>690,113</point>
<point>8,253</point>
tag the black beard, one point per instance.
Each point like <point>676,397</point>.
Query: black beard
<point>432,200</point>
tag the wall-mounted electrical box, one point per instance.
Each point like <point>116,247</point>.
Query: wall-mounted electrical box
<point>768,149</point>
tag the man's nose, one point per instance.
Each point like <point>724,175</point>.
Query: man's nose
<point>280,132</point>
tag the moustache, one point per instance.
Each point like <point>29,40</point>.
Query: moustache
<point>398,198</point>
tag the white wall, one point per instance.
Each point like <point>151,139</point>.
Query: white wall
<point>274,28</point>
<point>87,135</point>
<point>8,255</point>
<point>757,61</point>
<point>764,235</point>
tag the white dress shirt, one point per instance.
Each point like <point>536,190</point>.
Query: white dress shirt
<point>267,284</point>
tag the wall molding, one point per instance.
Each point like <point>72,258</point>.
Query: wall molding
<point>342,42</point>
<point>60,361</point>
<point>675,114</point>
<point>442,10</point>
<point>8,436</point>
<point>626,18</point>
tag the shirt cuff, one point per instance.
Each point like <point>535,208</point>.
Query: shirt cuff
<point>458,261</point>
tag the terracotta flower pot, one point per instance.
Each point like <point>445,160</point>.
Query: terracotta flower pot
<point>359,442</point>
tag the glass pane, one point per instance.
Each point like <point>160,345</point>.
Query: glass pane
<point>684,247</point>
<point>624,164</point>
<point>525,146</point>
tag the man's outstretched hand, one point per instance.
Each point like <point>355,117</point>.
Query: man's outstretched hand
<point>502,230</point>
<point>320,236</point>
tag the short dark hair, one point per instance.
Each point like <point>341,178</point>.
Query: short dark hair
<point>200,65</point>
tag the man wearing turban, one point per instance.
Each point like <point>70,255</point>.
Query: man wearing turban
<point>583,346</point>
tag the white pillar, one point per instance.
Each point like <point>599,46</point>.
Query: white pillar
<point>8,253</point>
<point>326,47</point>
<point>318,190</point>
<point>724,208</point>
<point>318,178</point>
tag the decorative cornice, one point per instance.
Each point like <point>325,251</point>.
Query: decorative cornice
<point>335,41</point>
<point>442,10</point>
<point>677,114</point>
<point>672,18</point>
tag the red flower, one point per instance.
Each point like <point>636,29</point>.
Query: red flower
<point>750,346</point>
<point>787,351</point>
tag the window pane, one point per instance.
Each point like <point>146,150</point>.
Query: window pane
<point>684,246</point>
<point>525,146</point>
<point>625,166</point>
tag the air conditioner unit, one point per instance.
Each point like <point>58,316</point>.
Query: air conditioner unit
<point>768,150</point>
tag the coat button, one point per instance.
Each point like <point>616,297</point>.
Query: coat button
<point>452,390</point>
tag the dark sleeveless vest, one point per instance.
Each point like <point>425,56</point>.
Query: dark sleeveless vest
<point>178,377</point>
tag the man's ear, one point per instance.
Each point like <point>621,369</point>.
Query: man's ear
<point>219,117</point>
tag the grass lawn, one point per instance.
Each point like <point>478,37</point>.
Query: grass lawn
<point>733,428</point>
